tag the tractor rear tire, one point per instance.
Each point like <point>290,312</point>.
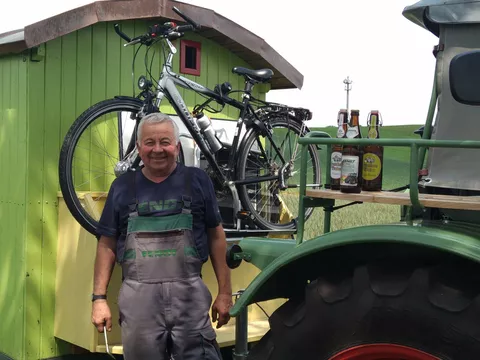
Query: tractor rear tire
<point>431,307</point>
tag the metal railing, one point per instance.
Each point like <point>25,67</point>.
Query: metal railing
<point>417,147</point>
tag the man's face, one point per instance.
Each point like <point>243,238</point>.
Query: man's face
<point>157,147</point>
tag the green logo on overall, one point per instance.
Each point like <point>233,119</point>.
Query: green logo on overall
<point>151,206</point>
<point>159,253</point>
<point>131,254</point>
<point>188,251</point>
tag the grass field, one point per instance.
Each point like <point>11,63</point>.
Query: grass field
<point>395,174</point>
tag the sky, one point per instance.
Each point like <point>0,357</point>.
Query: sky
<point>388,58</point>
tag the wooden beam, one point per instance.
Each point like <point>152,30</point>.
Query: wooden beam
<point>395,198</point>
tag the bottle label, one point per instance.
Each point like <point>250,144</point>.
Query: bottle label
<point>372,133</point>
<point>350,165</point>
<point>372,166</point>
<point>340,132</point>
<point>336,168</point>
<point>352,132</point>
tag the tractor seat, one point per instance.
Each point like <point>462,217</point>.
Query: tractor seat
<point>261,75</point>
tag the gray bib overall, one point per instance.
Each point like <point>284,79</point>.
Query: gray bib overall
<point>163,302</point>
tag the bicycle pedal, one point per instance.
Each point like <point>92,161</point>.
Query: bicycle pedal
<point>243,215</point>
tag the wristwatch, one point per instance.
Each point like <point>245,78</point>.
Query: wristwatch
<point>99,297</point>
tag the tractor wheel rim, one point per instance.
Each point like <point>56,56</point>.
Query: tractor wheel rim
<point>382,352</point>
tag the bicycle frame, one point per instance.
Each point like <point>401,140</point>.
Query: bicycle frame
<point>167,86</point>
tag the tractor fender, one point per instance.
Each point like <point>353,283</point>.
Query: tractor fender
<point>290,272</point>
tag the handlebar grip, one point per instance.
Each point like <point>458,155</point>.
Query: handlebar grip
<point>121,34</point>
<point>187,19</point>
<point>183,28</point>
<point>174,35</point>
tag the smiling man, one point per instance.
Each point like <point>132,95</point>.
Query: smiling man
<point>161,224</point>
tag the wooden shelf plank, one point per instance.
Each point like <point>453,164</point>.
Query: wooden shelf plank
<point>397,198</point>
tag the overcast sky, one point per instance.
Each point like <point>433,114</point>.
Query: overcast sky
<point>388,58</point>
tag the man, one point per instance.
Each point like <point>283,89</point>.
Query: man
<point>161,224</point>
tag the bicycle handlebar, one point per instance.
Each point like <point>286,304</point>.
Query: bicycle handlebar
<point>169,30</point>
<point>186,18</point>
<point>121,34</point>
<point>184,28</point>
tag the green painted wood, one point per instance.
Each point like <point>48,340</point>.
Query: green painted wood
<point>83,101</point>
<point>212,64</point>
<point>98,91</point>
<point>99,59</point>
<point>51,148</point>
<point>203,77</point>
<point>126,59</point>
<point>21,183</point>
<point>12,205</point>
<point>114,50</point>
<point>69,76</point>
<point>224,71</point>
<point>141,27</point>
<point>34,241</point>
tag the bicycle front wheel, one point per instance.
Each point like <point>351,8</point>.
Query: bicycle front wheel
<point>92,155</point>
<point>271,207</point>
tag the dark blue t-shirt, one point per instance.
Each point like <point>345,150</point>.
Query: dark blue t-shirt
<point>161,199</point>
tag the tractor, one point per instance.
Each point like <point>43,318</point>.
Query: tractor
<point>406,290</point>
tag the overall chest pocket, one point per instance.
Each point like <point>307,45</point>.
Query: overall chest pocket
<point>160,256</point>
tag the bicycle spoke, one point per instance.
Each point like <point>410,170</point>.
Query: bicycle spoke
<point>87,181</point>
<point>269,204</point>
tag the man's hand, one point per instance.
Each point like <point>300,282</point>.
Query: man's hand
<point>104,262</point>
<point>220,309</point>
<point>218,248</point>
<point>101,315</point>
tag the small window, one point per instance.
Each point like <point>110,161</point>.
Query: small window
<point>190,57</point>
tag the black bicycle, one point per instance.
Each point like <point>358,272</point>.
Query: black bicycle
<point>258,171</point>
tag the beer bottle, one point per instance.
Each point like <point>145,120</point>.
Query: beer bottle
<point>372,171</point>
<point>351,178</point>
<point>336,158</point>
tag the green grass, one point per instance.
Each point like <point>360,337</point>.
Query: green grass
<point>395,174</point>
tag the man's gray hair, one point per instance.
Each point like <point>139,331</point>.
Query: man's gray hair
<point>158,118</point>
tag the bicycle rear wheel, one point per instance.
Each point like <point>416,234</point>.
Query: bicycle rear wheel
<point>270,207</point>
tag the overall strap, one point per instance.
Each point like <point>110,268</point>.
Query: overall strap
<point>132,191</point>
<point>187,193</point>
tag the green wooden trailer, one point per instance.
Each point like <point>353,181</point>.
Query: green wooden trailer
<point>50,72</point>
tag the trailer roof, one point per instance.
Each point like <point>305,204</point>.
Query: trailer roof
<point>429,14</point>
<point>215,27</point>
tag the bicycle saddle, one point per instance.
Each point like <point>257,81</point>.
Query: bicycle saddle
<point>261,75</point>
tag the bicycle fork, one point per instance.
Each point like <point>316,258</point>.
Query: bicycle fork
<point>236,203</point>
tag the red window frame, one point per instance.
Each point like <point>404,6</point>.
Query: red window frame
<point>198,47</point>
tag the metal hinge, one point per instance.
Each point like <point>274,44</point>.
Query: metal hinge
<point>437,49</point>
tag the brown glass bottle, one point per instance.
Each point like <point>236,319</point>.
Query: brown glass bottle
<point>351,180</point>
<point>336,158</point>
<point>372,169</point>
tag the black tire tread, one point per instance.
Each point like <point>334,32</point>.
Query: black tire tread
<point>434,308</point>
